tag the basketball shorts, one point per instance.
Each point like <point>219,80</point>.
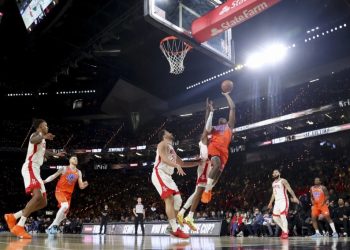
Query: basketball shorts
<point>164,183</point>
<point>63,197</point>
<point>280,207</point>
<point>316,210</point>
<point>32,178</point>
<point>221,152</point>
<point>203,174</point>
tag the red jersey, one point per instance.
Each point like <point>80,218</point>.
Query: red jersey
<point>67,180</point>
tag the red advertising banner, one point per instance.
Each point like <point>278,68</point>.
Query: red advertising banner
<point>226,16</point>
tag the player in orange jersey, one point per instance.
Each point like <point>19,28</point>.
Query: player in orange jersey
<point>64,190</point>
<point>218,146</point>
<point>319,199</point>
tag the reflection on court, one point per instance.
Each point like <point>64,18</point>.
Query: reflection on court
<point>87,242</point>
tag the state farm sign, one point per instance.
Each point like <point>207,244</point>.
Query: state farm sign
<point>226,16</point>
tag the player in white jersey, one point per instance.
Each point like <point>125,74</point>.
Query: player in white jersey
<point>33,183</point>
<point>202,175</point>
<point>280,210</point>
<point>165,163</point>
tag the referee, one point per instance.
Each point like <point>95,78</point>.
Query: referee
<point>139,213</point>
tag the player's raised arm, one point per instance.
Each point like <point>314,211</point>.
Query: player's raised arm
<point>55,175</point>
<point>232,113</point>
<point>290,190</point>
<point>82,184</point>
<point>209,120</point>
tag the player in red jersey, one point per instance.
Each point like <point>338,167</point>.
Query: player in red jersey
<point>202,175</point>
<point>32,180</point>
<point>218,146</point>
<point>64,190</point>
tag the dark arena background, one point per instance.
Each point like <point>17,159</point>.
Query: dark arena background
<point>108,76</point>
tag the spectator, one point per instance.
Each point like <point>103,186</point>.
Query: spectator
<point>341,217</point>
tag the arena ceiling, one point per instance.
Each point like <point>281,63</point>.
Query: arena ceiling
<point>67,52</point>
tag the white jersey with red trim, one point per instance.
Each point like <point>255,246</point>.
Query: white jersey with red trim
<point>36,152</point>
<point>171,157</point>
<point>279,190</point>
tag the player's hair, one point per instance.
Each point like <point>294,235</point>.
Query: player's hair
<point>161,134</point>
<point>37,122</point>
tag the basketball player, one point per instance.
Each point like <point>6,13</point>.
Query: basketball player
<point>218,146</point>
<point>202,173</point>
<point>33,183</point>
<point>320,200</point>
<point>64,190</point>
<point>165,163</point>
<point>280,210</point>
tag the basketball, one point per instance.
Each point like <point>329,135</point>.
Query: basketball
<point>226,86</point>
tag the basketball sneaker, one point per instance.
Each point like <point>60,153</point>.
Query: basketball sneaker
<point>180,234</point>
<point>190,223</point>
<point>180,219</point>
<point>206,197</point>
<point>335,235</point>
<point>10,220</point>
<point>284,235</point>
<point>168,230</point>
<point>20,232</point>
<point>316,235</point>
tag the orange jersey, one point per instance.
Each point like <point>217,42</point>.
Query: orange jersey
<point>67,180</point>
<point>221,136</point>
<point>318,195</point>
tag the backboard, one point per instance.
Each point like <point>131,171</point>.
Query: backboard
<point>176,16</point>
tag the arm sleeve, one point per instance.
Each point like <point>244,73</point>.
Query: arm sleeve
<point>208,125</point>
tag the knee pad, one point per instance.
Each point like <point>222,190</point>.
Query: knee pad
<point>177,202</point>
<point>65,206</point>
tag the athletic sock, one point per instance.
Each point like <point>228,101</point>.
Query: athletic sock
<point>22,221</point>
<point>284,223</point>
<point>18,215</point>
<point>173,225</point>
<point>209,185</point>
<point>182,211</point>
<point>317,231</point>
<point>190,215</point>
<point>333,227</point>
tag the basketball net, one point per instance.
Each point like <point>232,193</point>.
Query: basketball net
<point>175,52</point>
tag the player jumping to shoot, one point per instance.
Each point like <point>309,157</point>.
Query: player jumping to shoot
<point>218,146</point>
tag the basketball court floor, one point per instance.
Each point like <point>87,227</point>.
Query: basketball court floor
<point>86,242</point>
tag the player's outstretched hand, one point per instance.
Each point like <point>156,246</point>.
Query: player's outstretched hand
<point>225,93</point>
<point>180,171</point>
<point>85,183</point>
<point>49,136</point>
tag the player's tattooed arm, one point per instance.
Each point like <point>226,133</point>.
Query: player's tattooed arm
<point>326,194</point>
<point>82,184</point>
<point>290,190</point>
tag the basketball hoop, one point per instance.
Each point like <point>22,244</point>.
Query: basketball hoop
<point>175,52</point>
